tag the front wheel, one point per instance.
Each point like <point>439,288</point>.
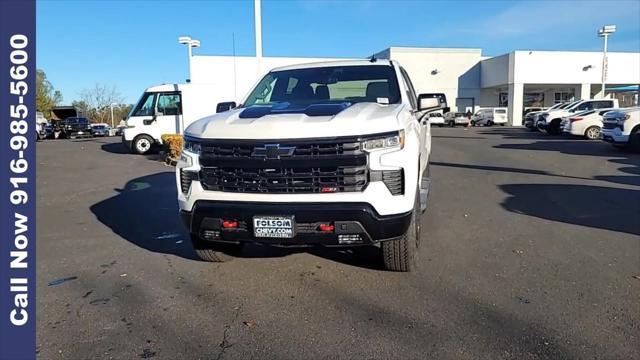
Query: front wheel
<point>142,144</point>
<point>402,254</point>
<point>215,251</point>
<point>473,123</point>
<point>634,140</point>
<point>592,133</point>
<point>554,127</point>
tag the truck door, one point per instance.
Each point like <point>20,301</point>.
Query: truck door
<point>425,127</point>
<point>169,113</point>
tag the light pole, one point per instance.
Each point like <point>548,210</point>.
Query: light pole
<point>111,106</point>
<point>191,43</point>
<point>604,32</point>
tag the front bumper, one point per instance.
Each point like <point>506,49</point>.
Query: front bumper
<point>359,220</point>
<point>614,136</point>
<point>126,143</point>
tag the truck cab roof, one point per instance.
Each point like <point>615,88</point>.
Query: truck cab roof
<point>364,62</point>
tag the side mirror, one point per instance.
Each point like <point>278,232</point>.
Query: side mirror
<point>225,106</point>
<point>428,103</point>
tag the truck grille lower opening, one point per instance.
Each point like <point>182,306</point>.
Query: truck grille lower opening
<point>394,180</point>
<point>186,178</point>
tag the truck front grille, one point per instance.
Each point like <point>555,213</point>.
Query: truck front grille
<point>284,166</point>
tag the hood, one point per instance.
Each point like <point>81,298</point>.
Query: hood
<point>357,119</point>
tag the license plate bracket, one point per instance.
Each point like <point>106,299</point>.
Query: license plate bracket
<point>273,226</point>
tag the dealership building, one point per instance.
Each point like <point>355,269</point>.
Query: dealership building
<point>470,80</point>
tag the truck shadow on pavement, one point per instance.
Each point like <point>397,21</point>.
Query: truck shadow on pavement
<point>118,148</point>
<point>145,213</point>
<point>614,209</point>
<point>114,148</point>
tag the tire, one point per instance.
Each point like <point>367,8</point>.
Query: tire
<point>142,144</point>
<point>634,140</point>
<point>473,123</point>
<point>402,254</point>
<point>489,123</point>
<point>215,251</point>
<point>592,133</point>
<point>502,124</point>
<point>554,127</point>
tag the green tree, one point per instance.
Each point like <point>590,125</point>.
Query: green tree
<point>47,97</point>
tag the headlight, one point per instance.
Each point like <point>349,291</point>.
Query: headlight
<point>192,146</point>
<point>620,121</point>
<point>388,142</point>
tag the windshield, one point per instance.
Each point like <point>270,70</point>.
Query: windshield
<point>569,105</point>
<point>334,84</point>
<point>584,113</point>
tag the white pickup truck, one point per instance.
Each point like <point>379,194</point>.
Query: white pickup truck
<point>332,154</point>
<point>551,120</point>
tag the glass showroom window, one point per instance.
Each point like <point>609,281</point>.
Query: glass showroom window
<point>563,96</point>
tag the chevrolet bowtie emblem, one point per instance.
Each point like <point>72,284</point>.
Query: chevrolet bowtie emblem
<point>273,151</point>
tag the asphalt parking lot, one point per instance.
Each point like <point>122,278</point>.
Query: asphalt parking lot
<point>531,249</point>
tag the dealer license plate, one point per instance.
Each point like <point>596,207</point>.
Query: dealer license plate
<point>273,226</point>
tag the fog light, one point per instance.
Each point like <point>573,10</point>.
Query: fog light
<point>229,224</point>
<point>349,239</point>
<point>326,227</point>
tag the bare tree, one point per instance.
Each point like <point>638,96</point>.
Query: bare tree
<point>98,101</point>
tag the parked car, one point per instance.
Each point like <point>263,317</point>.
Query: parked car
<point>550,120</point>
<point>587,123</point>
<point>531,109</point>
<point>40,134</point>
<point>72,127</point>
<point>489,117</point>
<point>530,117</point>
<point>456,118</point>
<point>100,130</point>
<point>622,127</point>
<point>343,163</point>
<point>119,130</point>
<point>436,119</point>
<point>48,131</point>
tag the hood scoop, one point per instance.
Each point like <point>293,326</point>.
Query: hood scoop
<point>326,109</point>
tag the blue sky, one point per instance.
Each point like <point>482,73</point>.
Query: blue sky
<point>133,44</point>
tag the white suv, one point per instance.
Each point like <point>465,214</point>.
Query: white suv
<point>332,154</point>
<point>622,127</point>
<point>551,120</point>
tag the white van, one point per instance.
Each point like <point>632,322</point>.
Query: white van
<point>166,109</point>
<point>490,116</point>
